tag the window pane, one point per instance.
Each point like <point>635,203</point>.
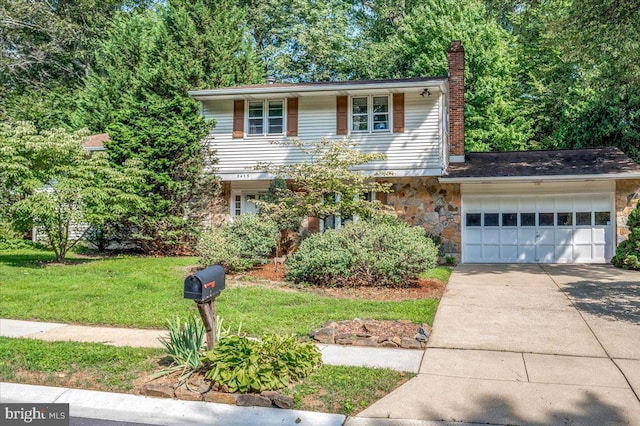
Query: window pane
<point>509,219</point>
<point>583,218</point>
<point>527,219</point>
<point>255,126</point>
<point>565,219</point>
<point>360,122</point>
<point>381,104</point>
<point>545,219</point>
<point>380,122</point>
<point>491,219</point>
<point>275,109</point>
<point>359,105</point>
<point>474,219</point>
<point>275,125</point>
<point>603,218</point>
<point>255,109</point>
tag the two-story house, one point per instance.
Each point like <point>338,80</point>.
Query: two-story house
<point>533,206</point>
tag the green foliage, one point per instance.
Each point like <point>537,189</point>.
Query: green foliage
<point>349,388</point>
<point>184,346</point>
<point>239,245</point>
<point>244,365</point>
<point>49,181</point>
<point>328,183</point>
<point>137,93</point>
<point>376,253</point>
<point>628,252</point>
<point>103,367</point>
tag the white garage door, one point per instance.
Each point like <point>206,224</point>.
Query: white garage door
<point>537,229</point>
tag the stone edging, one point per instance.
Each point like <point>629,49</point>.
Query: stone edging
<point>368,335</point>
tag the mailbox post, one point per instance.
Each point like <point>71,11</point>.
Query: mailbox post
<point>203,287</point>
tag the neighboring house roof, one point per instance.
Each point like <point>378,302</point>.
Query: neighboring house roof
<point>302,89</point>
<point>592,163</point>
<point>96,142</point>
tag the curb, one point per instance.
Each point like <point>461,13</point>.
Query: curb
<point>160,411</point>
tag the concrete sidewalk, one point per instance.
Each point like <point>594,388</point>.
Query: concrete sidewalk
<point>396,359</point>
<point>516,344</point>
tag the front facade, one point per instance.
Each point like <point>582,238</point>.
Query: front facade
<point>481,212</point>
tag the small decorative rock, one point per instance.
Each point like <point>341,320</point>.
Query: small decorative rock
<point>220,397</point>
<point>252,400</point>
<point>157,390</point>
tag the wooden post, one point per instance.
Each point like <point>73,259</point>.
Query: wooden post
<point>208,313</point>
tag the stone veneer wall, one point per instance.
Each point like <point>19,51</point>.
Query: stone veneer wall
<point>627,196</point>
<point>433,205</point>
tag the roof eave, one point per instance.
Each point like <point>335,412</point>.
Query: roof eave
<point>301,90</point>
<point>586,177</point>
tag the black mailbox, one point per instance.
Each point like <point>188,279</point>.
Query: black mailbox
<point>205,284</point>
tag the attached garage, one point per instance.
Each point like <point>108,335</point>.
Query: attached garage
<point>561,228</point>
<point>542,206</point>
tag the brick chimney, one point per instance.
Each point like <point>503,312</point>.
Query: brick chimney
<point>456,102</point>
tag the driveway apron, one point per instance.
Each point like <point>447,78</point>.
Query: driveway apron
<point>527,345</point>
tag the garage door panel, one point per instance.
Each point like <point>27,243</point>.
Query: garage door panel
<point>509,236</point>
<point>545,253</point>
<point>473,235</point>
<point>491,236</point>
<point>526,236</point>
<point>509,253</point>
<point>491,252</point>
<point>599,235</point>
<point>583,236</point>
<point>563,236</point>
<point>564,254</point>
<point>546,236</point>
<point>584,252</point>
<point>527,254</point>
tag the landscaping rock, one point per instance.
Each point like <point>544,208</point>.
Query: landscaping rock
<point>199,385</point>
<point>367,341</point>
<point>388,344</point>
<point>220,397</point>
<point>252,400</point>
<point>409,343</point>
<point>283,401</point>
<point>278,399</point>
<point>161,391</point>
<point>187,395</point>
<point>324,335</point>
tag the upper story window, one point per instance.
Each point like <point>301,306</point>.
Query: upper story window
<point>266,117</point>
<point>370,114</point>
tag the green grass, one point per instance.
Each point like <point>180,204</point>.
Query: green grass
<point>332,389</point>
<point>85,365</point>
<point>146,291</point>
<point>441,273</point>
<point>345,390</point>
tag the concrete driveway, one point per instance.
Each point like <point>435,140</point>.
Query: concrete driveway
<point>527,345</point>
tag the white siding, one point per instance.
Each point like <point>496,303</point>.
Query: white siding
<point>416,152</point>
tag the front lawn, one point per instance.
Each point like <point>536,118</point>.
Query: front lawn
<point>345,390</point>
<point>135,291</point>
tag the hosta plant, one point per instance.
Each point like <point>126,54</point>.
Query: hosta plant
<point>247,365</point>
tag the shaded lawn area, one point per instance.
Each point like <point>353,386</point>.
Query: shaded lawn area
<point>145,292</point>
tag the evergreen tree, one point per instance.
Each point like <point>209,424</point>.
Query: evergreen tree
<point>138,95</point>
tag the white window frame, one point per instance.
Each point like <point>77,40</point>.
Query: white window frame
<point>265,117</point>
<point>338,220</point>
<point>370,115</point>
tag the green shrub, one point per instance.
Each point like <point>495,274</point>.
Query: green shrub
<point>379,253</point>
<point>240,245</point>
<point>244,365</point>
<point>628,252</point>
